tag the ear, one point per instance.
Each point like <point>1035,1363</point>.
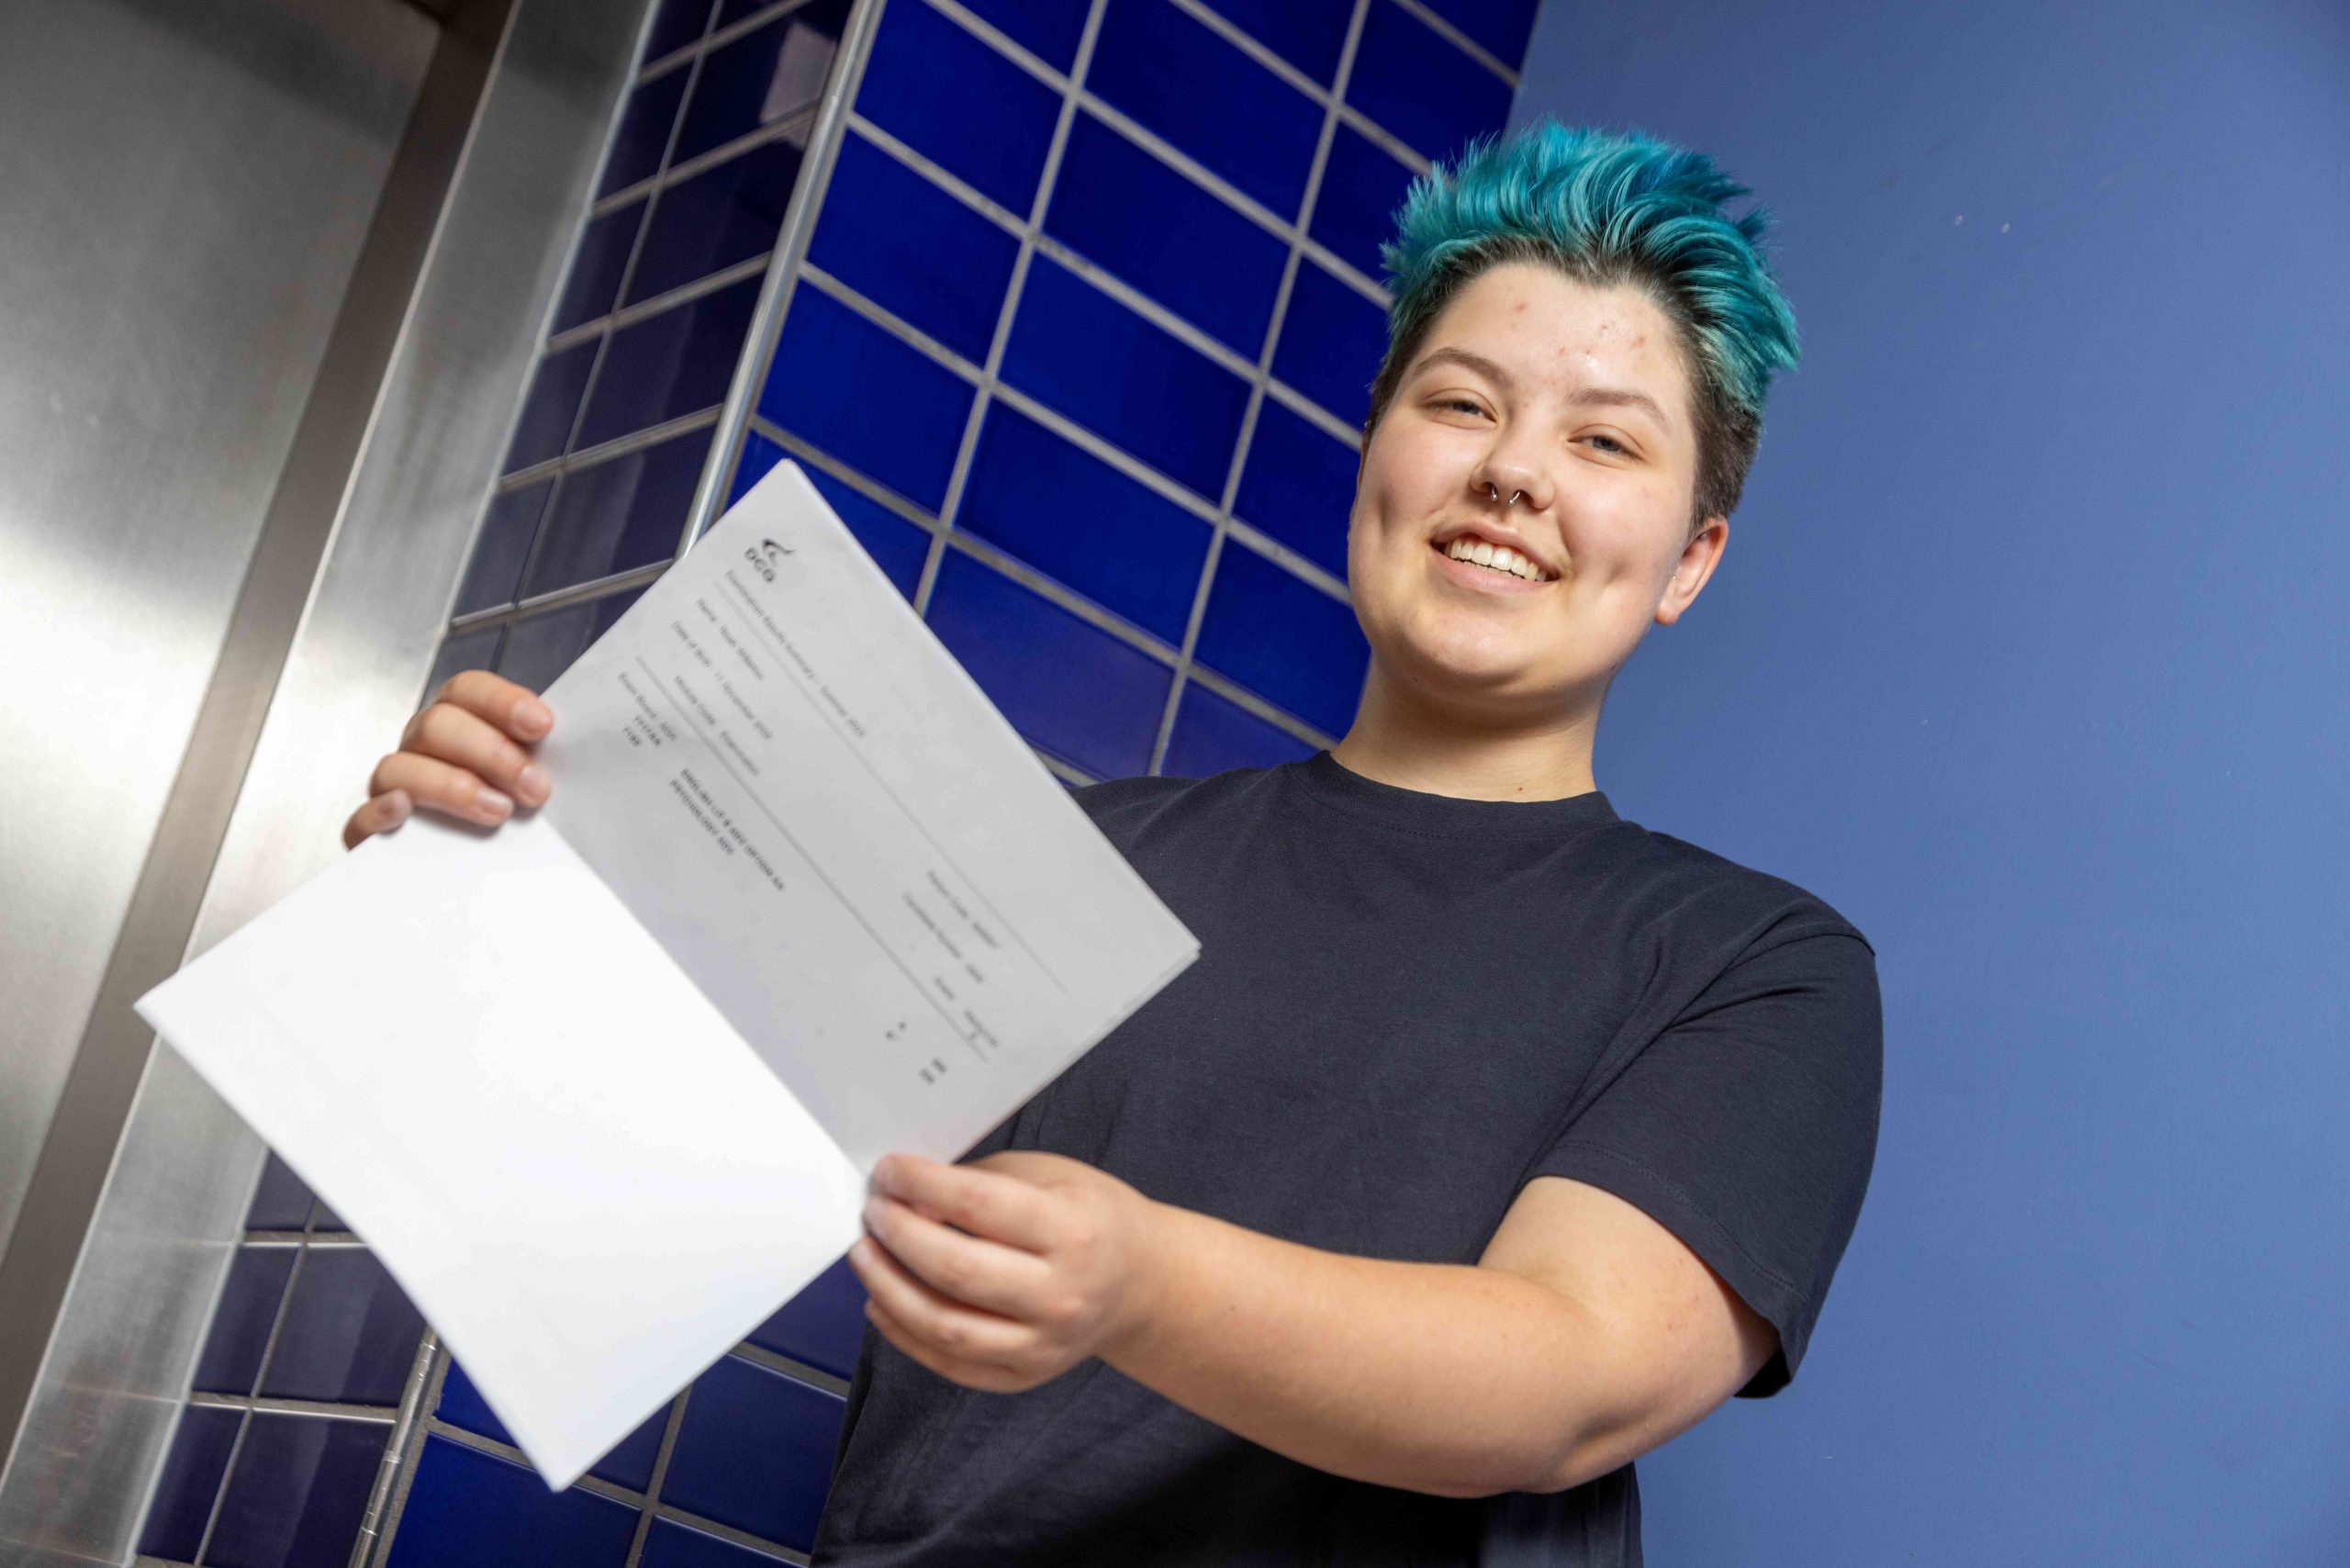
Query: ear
<point>1698,559</point>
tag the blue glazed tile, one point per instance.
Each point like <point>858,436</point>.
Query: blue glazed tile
<point>628,1464</point>
<point>297,1493</point>
<point>1502,28</point>
<point>1283,640</point>
<point>618,515</point>
<point>475,650</point>
<point>1203,95</point>
<point>553,403</point>
<point>931,84</point>
<point>832,369</point>
<point>1081,353</point>
<point>720,216</point>
<point>503,544</point>
<point>678,23</point>
<point>1354,212</point>
<point>1046,28</point>
<point>949,281</point>
<point>758,459</point>
<point>1332,339</point>
<point>597,267</point>
<point>897,546</point>
<point>768,75</point>
<point>468,1509</point>
<point>1418,83</point>
<point>755,1451</point>
<point>822,1327</point>
<point>1212,735</point>
<point>672,1545</point>
<point>1141,220</point>
<point>280,1201</point>
<point>643,133</point>
<point>1309,34</point>
<point>1298,486</point>
<point>1069,688</point>
<point>191,1479</point>
<point>1076,519</point>
<point>240,1324</point>
<point>462,1406</point>
<point>540,647</point>
<point>679,362</point>
<point>350,1335</point>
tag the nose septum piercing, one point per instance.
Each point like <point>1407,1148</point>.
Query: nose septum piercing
<point>1496,491</point>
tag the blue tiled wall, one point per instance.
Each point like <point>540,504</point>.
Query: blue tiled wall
<point>1081,340</point>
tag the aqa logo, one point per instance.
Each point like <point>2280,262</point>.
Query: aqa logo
<point>765,555</point>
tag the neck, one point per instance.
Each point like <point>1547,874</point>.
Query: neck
<point>1401,738</point>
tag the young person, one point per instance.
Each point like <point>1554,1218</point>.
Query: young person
<point>1493,1139</point>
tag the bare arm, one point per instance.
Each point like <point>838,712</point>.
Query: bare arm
<point>1586,1335</point>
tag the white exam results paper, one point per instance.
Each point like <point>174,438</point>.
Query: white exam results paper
<point>602,1088</point>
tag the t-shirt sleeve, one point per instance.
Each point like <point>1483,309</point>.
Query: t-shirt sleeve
<point>1747,1127</point>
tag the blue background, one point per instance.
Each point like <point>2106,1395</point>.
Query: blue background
<point>2028,654</point>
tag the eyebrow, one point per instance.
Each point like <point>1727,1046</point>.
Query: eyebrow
<point>1588,396</point>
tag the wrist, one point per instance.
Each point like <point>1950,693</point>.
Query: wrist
<point>1152,1266</point>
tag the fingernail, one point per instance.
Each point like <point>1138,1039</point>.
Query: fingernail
<point>872,1207</point>
<point>531,782</point>
<point>492,804</point>
<point>532,715</point>
<point>396,808</point>
<point>885,1176</point>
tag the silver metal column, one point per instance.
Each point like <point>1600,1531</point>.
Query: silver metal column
<point>241,454</point>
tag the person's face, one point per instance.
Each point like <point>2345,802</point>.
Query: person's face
<point>1575,400</point>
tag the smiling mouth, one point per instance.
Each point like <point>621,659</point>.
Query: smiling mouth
<point>1473,550</point>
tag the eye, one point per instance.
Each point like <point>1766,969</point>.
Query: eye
<point>1617,446</point>
<point>1472,405</point>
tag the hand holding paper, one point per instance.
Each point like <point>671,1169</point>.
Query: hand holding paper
<point>602,1087</point>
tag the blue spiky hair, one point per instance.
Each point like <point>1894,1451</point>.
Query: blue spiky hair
<point>1606,207</point>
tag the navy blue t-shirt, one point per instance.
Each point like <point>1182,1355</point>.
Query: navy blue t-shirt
<point>1407,1006</point>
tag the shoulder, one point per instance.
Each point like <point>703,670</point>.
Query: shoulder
<point>1739,910</point>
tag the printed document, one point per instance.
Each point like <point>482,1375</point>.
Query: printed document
<point>602,1087</point>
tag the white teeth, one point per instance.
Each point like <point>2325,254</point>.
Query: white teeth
<point>1497,558</point>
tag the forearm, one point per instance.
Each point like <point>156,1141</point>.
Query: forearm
<point>1437,1378</point>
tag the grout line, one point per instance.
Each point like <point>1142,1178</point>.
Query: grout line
<point>245,1416</point>
<point>851,53</point>
<point>659,305</point>
<point>1306,409</point>
<point>324,1241</point>
<point>604,343</point>
<point>1242,698</point>
<point>798,122</point>
<point>670,1429</point>
<point>557,598</point>
<point>271,1404</point>
<point>1063,770</point>
<point>596,456</point>
<point>1047,180</point>
<point>1455,37</point>
<point>1004,562</point>
<point>798,1372</point>
<point>618,1494</point>
<point>1258,383</point>
<point>1298,80</point>
<point>1314,574</point>
<point>891,322</point>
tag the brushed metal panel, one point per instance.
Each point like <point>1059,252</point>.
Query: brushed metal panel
<point>118,1366</point>
<point>186,188</point>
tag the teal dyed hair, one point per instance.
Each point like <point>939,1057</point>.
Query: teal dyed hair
<point>1605,208</point>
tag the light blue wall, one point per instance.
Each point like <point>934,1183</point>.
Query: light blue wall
<point>2028,654</point>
